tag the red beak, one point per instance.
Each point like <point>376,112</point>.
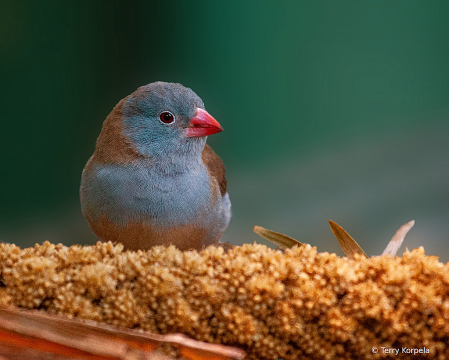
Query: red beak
<point>203,124</point>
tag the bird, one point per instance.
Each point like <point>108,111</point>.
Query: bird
<point>152,179</point>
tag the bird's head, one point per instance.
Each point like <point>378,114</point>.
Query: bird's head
<point>166,119</point>
<point>164,122</point>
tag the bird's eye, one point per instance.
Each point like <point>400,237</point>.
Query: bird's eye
<point>167,117</point>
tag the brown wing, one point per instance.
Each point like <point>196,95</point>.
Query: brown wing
<point>215,167</point>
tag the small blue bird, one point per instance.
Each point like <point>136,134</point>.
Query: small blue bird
<point>152,179</point>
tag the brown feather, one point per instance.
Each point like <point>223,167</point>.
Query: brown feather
<point>112,146</point>
<point>137,236</point>
<point>215,167</point>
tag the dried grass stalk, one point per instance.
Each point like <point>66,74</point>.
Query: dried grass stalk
<point>299,304</point>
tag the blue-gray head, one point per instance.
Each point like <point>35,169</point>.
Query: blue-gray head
<point>163,119</point>
<point>164,122</point>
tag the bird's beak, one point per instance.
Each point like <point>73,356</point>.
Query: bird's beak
<point>203,124</point>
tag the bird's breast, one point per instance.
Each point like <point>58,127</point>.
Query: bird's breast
<point>126,194</point>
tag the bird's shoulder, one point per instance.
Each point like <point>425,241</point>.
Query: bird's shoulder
<point>215,167</point>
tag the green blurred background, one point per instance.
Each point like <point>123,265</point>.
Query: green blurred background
<point>331,109</point>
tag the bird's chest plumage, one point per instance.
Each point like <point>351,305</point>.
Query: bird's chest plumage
<point>126,194</point>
